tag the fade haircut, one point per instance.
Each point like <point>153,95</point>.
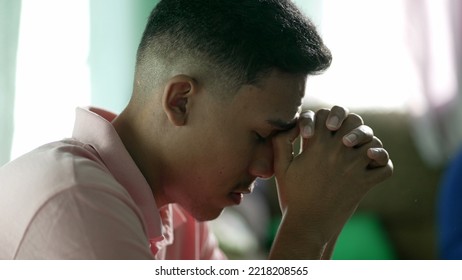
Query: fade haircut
<point>229,43</point>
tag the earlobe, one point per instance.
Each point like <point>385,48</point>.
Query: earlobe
<point>176,98</point>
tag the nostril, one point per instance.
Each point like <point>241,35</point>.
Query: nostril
<point>262,169</point>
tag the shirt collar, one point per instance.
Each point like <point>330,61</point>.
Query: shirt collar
<point>172,217</point>
<point>104,139</point>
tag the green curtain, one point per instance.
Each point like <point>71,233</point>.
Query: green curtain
<point>9,31</point>
<point>115,32</point>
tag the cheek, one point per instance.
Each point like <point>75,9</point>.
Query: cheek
<point>223,149</point>
<point>228,158</point>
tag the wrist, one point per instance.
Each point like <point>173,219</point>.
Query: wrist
<point>297,239</point>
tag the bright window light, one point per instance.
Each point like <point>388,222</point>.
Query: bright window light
<point>372,67</point>
<point>52,72</point>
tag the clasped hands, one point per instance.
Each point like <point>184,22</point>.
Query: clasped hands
<point>339,161</point>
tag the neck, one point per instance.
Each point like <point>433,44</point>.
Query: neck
<point>140,145</point>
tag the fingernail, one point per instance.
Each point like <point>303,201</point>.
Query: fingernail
<point>374,151</point>
<point>333,122</point>
<point>351,139</point>
<point>307,131</point>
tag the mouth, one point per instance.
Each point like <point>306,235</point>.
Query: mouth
<point>236,197</point>
<point>238,194</point>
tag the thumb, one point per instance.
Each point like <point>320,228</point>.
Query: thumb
<point>283,149</point>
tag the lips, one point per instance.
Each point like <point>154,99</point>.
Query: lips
<point>236,197</point>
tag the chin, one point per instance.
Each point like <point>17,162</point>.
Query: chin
<point>200,208</point>
<point>204,214</point>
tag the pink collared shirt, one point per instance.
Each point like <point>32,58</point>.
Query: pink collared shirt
<point>85,198</point>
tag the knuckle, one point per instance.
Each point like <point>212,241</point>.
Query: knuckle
<point>367,131</point>
<point>306,117</point>
<point>376,142</point>
<point>321,115</point>
<point>322,112</point>
<point>305,122</point>
<point>307,114</point>
<point>355,119</point>
<point>383,156</point>
<point>387,170</point>
<point>390,168</point>
<point>339,110</point>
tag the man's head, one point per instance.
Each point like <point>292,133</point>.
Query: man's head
<point>227,43</point>
<point>215,80</point>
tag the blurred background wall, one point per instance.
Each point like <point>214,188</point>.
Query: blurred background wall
<point>397,63</point>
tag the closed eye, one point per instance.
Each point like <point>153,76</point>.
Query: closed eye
<point>278,126</point>
<point>260,138</point>
<point>263,139</point>
<point>283,125</point>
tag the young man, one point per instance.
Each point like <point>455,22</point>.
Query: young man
<point>215,105</point>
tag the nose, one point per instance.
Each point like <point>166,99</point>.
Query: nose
<point>262,163</point>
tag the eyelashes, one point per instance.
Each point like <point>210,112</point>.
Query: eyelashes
<point>260,138</point>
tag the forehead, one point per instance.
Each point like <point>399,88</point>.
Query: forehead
<point>278,96</point>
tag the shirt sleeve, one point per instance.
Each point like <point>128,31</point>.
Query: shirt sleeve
<point>85,223</point>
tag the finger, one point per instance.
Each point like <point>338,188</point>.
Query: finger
<point>306,123</point>
<point>320,118</point>
<point>359,136</point>
<point>315,122</point>
<point>336,117</point>
<point>351,122</point>
<point>283,150</point>
<point>379,157</point>
<point>379,174</point>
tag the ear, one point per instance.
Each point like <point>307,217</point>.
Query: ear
<point>176,97</point>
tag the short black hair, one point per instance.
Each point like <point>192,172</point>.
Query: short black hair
<point>248,38</point>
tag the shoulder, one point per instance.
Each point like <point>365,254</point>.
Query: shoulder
<point>55,167</point>
<point>85,223</point>
<point>63,187</point>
